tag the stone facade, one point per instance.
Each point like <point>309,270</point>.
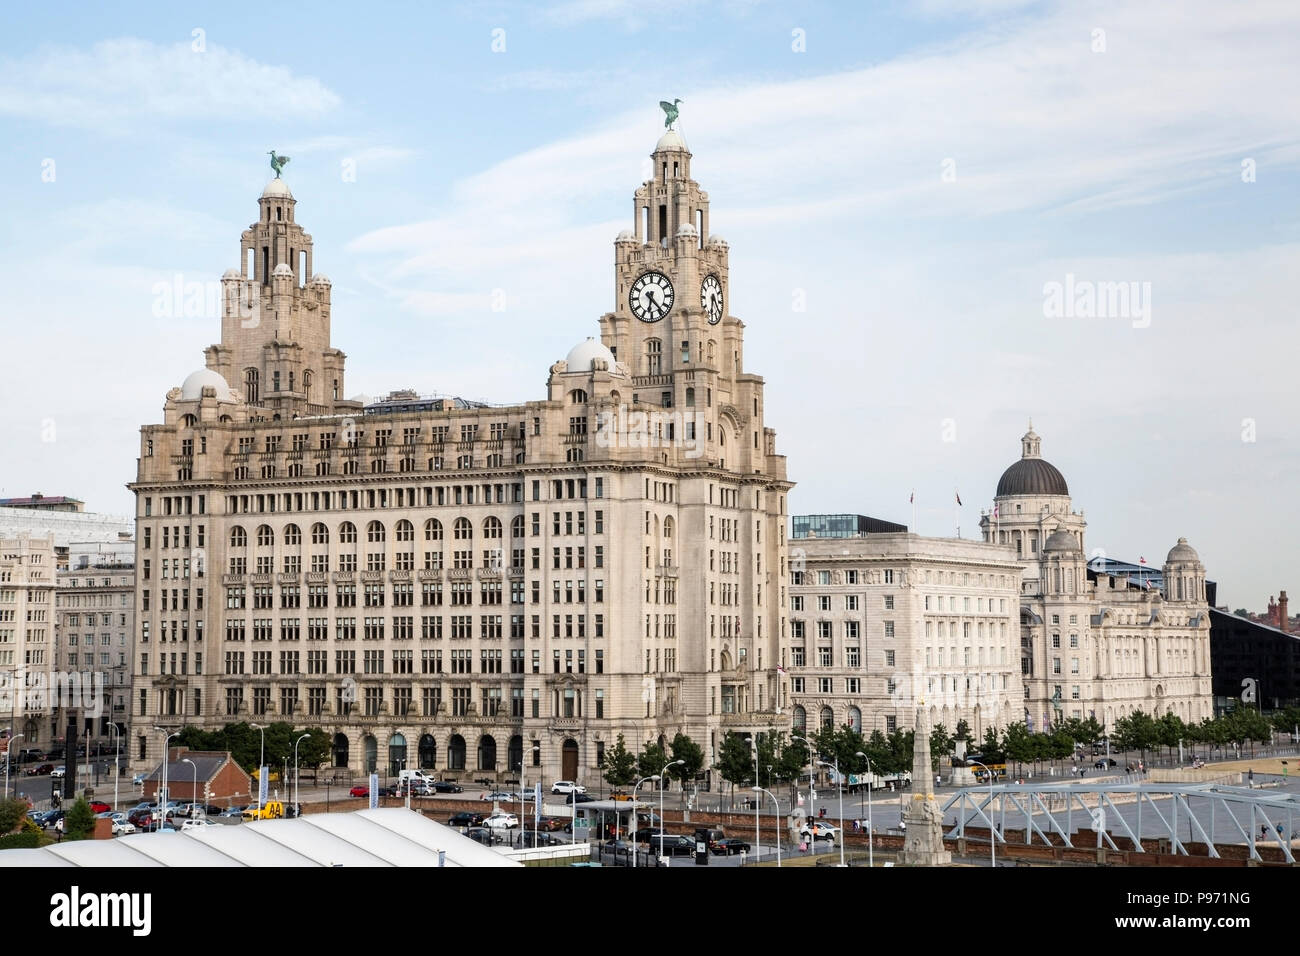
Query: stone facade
<point>1094,644</point>
<point>457,586</point>
<point>27,615</point>
<point>879,621</point>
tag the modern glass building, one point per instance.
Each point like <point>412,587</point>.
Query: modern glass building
<point>840,526</point>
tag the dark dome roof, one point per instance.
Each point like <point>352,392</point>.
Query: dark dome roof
<point>1032,476</point>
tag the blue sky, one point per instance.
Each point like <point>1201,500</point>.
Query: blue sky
<point>917,173</point>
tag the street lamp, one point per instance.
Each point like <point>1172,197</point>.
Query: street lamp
<point>871,833</point>
<point>117,762</point>
<point>993,836</point>
<point>295,777</point>
<point>166,739</point>
<point>663,776</point>
<point>812,771</point>
<point>9,750</point>
<point>261,765</point>
<point>194,793</point>
<point>776,816</point>
<point>839,785</point>
<point>636,788</point>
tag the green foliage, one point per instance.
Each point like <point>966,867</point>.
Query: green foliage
<point>941,744</point>
<point>620,764</point>
<point>12,813</point>
<point>791,758</point>
<point>651,760</point>
<point>27,840</point>
<point>79,823</point>
<point>313,751</point>
<point>1286,721</point>
<point>684,748</point>
<point>735,760</point>
<point>244,741</point>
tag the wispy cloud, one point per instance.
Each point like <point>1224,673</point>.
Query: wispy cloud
<point>118,80</point>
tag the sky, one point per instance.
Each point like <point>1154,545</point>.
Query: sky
<point>945,217</point>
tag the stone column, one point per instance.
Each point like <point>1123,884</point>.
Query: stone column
<point>923,843</point>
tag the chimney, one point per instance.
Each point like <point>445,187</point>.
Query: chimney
<point>1283,622</point>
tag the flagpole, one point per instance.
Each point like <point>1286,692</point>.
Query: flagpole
<point>914,531</point>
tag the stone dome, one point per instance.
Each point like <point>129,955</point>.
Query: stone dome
<point>627,235</point>
<point>282,270</point>
<point>277,189</point>
<point>232,274</point>
<point>321,278</point>
<point>670,140</point>
<point>1061,540</point>
<point>1184,552</point>
<point>716,240</point>
<point>195,382</point>
<point>686,229</point>
<point>1032,476</point>
<point>584,353</point>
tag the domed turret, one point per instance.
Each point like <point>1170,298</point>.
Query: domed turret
<point>1184,574</point>
<point>1182,551</point>
<point>1061,540</point>
<point>671,140</point>
<point>1031,475</point>
<point>277,189</point>
<point>282,270</point>
<point>584,353</point>
<point>194,384</point>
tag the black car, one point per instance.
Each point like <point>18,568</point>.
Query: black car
<point>673,844</point>
<point>1105,763</point>
<point>446,786</point>
<point>578,798</point>
<point>465,819</point>
<point>729,846</point>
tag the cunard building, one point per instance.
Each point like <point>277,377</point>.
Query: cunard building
<point>467,588</point>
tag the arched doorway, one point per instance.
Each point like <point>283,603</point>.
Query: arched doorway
<point>855,719</point>
<point>370,753</point>
<point>569,760</point>
<point>396,754</point>
<point>340,750</point>
<point>515,754</point>
<point>487,752</point>
<point>456,752</point>
<point>428,752</point>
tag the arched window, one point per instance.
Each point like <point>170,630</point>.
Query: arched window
<point>238,537</point>
<point>265,536</point>
<point>396,754</point>
<point>251,394</point>
<point>654,354</point>
<point>292,534</point>
<point>405,531</point>
<point>189,421</point>
<point>433,530</point>
<point>578,397</point>
<point>517,526</point>
<point>855,719</point>
<point>347,533</point>
<point>306,384</point>
<point>375,532</point>
<point>463,530</point>
<point>492,527</point>
<point>487,753</point>
<point>456,752</point>
<point>320,534</point>
<point>800,718</point>
<point>428,752</point>
<point>668,527</point>
<point>827,719</point>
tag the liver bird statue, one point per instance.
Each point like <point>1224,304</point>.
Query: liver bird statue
<point>670,112</point>
<point>279,162</point>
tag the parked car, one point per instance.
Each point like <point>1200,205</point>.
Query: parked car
<point>58,771</point>
<point>729,846</point>
<point>197,824</point>
<point>139,779</point>
<point>123,827</point>
<point>1105,763</point>
<point>141,817</point>
<point>53,818</point>
<point>501,795</point>
<point>551,824</point>
<point>567,786</point>
<point>446,786</point>
<point>618,849</point>
<point>620,795</point>
<point>99,806</point>
<point>359,792</point>
<point>818,830</point>
<point>501,821</point>
<point>480,835</point>
<point>578,797</point>
<point>464,819</point>
<point>40,770</point>
<point>673,844</point>
<point>236,812</point>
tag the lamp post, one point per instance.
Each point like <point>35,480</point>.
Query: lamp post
<point>295,777</point>
<point>839,784</point>
<point>166,739</point>
<point>9,752</point>
<point>811,769</point>
<point>261,762</point>
<point>871,832</point>
<point>117,762</point>
<point>636,788</point>
<point>776,816</point>
<point>993,837</point>
<point>663,776</point>
<point>194,793</point>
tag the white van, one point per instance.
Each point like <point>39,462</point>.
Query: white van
<point>417,778</point>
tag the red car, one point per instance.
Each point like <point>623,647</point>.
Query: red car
<point>359,792</point>
<point>99,806</point>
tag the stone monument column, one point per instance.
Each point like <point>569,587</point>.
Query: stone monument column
<point>923,842</point>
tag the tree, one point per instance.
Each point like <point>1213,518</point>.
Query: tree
<point>991,745</point>
<point>1170,729</point>
<point>315,750</point>
<point>684,748</point>
<point>941,744</point>
<point>79,823</point>
<point>735,760</point>
<point>620,764</point>
<point>12,813</point>
<point>1019,744</point>
<point>651,760</point>
<point>791,758</point>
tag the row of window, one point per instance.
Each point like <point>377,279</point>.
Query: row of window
<point>403,497</point>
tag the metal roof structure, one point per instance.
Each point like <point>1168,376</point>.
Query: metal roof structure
<point>1233,814</point>
<point>390,836</point>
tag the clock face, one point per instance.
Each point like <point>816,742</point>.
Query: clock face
<point>651,297</point>
<point>711,299</point>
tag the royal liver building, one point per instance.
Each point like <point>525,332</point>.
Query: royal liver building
<point>473,589</point>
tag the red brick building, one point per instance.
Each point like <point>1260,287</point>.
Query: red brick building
<point>220,779</point>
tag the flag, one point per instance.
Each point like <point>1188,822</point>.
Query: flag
<point>1142,560</point>
<point>958,494</point>
<point>995,509</point>
<point>780,669</point>
<point>911,499</point>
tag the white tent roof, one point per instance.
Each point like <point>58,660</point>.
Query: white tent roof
<point>392,836</point>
